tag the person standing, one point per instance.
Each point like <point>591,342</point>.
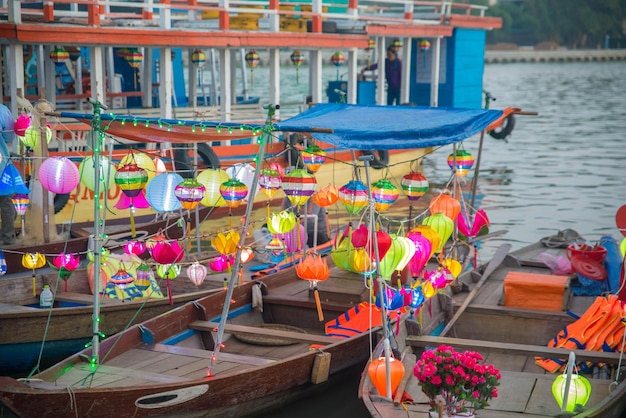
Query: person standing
<point>7,210</point>
<point>393,75</point>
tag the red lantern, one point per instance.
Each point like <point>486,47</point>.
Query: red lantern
<point>377,371</point>
<point>314,268</point>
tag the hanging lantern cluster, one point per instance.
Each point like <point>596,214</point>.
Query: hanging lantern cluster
<point>460,162</point>
<point>297,59</point>
<point>252,60</point>
<point>59,56</point>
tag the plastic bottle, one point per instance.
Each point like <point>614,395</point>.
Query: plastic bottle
<point>45,299</point>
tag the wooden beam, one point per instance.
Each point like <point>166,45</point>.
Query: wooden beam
<point>267,332</point>
<point>200,353</point>
<point>508,348</point>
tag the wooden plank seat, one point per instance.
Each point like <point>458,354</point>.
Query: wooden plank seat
<point>200,353</point>
<point>250,330</point>
<point>84,299</point>
<point>306,302</point>
<point>508,348</point>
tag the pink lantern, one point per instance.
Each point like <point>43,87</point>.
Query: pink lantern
<point>135,247</point>
<point>20,202</point>
<point>423,251</point>
<point>196,273</point>
<point>220,264</point>
<point>480,225</point>
<point>59,175</point>
<point>293,243</point>
<point>21,124</point>
<point>167,253</point>
<point>65,264</point>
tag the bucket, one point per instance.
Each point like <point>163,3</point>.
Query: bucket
<point>596,253</point>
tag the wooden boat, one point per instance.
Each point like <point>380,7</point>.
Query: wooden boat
<point>510,338</point>
<point>160,367</point>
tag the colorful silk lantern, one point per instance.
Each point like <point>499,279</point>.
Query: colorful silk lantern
<point>212,179</point>
<point>430,234</point>
<point>226,243</point>
<point>244,172</point>
<point>414,185</point>
<point>577,395</point>
<point>460,162</point>
<point>423,252</point>
<point>65,264</point>
<point>361,262</point>
<point>315,269</point>
<point>87,173</point>
<point>396,44</point>
<point>384,194</point>
<point>354,196</point>
<point>292,240</point>
<point>20,202</point>
<point>252,60</point>
<point>168,252</point>
<point>341,251</point>
<point>269,182</point>
<point>198,57</point>
<point>134,58</point>
<point>59,56</point>
<point>397,257</point>
<point>446,204</point>
<point>153,240</point>
<point>437,278</point>
<point>131,179</point>
<point>11,181</point>
<point>453,266</point>
<point>313,157</point>
<point>196,272</point>
<point>281,222</point>
<point>377,372</point>
<point>21,124</point>
<point>121,278</point>
<point>142,160</point>
<point>189,192</point>
<point>424,45</point>
<point>59,175</point>
<point>3,263</point>
<point>337,59</point>
<point>233,192</point>
<point>299,185</point>
<point>168,272</point>
<point>371,44</point>
<point>144,277</point>
<point>33,261</point>
<point>160,192</point>
<point>74,53</point>
<point>135,247</point>
<point>297,58</point>
<point>220,264</point>
<point>32,137</point>
<point>480,225</point>
<point>326,196</point>
<point>443,225</point>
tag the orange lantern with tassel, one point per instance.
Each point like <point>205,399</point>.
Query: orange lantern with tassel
<point>377,371</point>
<point>314,268</point>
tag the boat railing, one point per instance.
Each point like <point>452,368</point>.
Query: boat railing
<point>237,15</point>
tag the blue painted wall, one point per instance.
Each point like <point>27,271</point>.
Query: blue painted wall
<point>461,70</point>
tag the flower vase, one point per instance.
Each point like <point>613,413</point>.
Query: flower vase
<point>435,414</point>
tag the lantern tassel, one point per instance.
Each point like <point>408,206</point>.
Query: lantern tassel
<point>133,231</point>
<point>169,291</point>
<point>34,284</point>
<point>318,303</point>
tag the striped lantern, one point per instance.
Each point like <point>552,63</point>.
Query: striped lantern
<point>269,182</point>
<point>414,185</point>
<point>371,44</point>
<point>252,60</point>
<point>74,53</point>
<point>145,276</point>
<point>189,192</point>
<point>460,162</point>
<point>20,201</point>
<point>299,186</point>
<point>297,58</point>
<point>198,57</point>
<point>122,278</point>
<point>424,45</point>
<point>337,59</point>
<point>384,194</point>
<point>131,179</point>
<point>396,44</point>
<point>313,157</point>
<point>134,58</point>
<point>353,196</point>
<point>234,192</point>
<point>59,56</point>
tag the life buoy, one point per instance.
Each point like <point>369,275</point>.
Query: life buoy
<point>505,130</point>
<point>381,158</point>
<point>209,157</point>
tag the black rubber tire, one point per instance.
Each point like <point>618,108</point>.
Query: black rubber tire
<point>506,128</point>
<point>292,156</point>
<point>381,158</point>
<point>209,157</point>
<point>182,164</point>
<point>60,200</point>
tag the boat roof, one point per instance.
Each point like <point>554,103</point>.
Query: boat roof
<point>359,127</point>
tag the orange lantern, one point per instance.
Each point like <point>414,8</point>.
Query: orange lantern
<point>314,268</point>
<point>326,196</point>
<point>377,371</point>
<point>446,204</point>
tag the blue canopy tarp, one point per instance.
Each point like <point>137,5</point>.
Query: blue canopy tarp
<point>363,127</point>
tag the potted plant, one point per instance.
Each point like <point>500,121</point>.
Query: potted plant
<point>460,382</point>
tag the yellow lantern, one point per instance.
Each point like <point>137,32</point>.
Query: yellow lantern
<point>34,261</point>
<point>226,243</point>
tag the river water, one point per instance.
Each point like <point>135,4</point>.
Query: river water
<point>560,169</point>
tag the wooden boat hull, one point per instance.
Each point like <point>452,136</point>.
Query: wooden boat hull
<point>510,338</point>
<point>185,390</point>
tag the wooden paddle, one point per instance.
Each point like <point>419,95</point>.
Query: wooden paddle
<point>497,259</point>
<point>620,220</point>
